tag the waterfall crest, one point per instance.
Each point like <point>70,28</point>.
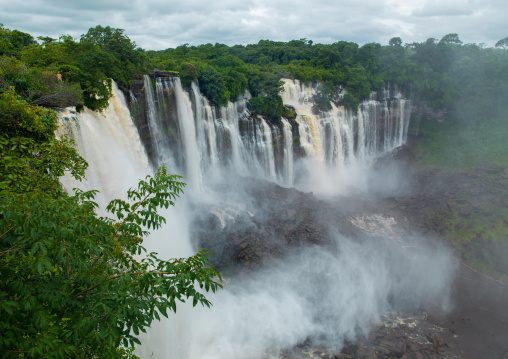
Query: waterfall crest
<point>197,139</point>
<point>309,293</point>
<point>110,143</point>
<point>343,136</point>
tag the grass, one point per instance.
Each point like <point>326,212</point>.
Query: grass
<point>456,146</point>
<point>482,243</point>
<point>462,146</point>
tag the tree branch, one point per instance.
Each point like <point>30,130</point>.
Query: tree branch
<point>115,277</point>
<point>3,234</point>
<point>14,248</point>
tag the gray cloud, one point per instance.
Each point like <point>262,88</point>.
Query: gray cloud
<point>449,8</point>
<point>159,24</point>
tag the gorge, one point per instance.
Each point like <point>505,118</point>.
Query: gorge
<point>352,197</point>
<point>299,267</point>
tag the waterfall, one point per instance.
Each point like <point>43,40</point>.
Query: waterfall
<point>339,135</point>
<point>160,142</point>
<point>110,142</point>
<point>264,146</point>
<point>193,137</point>
<point>199,138</point>
<point>190,144</point>
<point>196,138</point>
<point>277,308</point>
<point>288,152</point>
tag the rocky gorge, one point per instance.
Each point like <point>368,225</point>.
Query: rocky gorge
<point>476,324</point>
<point>379,268</point>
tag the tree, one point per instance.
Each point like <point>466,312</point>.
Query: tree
<point>450,39</point>
<point>31,159</point>
<point>395,41</point>
<point>502,43</point>
<point>11,41</point>
<point>188,73</point>
<point>115,42</point>
<point>211,84</point>
<point>111,40</point>
<point>71,281</point>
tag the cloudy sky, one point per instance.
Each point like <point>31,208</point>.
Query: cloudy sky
<point>159,24</point>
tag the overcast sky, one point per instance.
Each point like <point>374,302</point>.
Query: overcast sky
<point>159,24</point>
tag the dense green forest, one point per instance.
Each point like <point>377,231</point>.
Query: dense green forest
<point>465,82</point>
<point>72,281</point>
<point>67,286</point>
<point>435,72</point>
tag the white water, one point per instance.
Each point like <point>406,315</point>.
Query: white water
<point>311,293</point>
<point>330,136</point>
<point>197,139</point>
<point>110,143</point>
<point>288,153</point>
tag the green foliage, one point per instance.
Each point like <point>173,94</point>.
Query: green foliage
<point>71,284</point>
<point>450,39</point>
<point>18,119</point>
<point>458,145</point>
<point>27,165</point>
<point>188,73</point>
<point>11,41</point>
<point>502,43</point>
<point>31,159</point>
<point>433,72</point>
<point>212,86</point>
<point>86,67</point>
<point>267,107</point>
<point>38,87</point>
<point>395,41</point>
<point>288,113</point>
<point>115,42</point>
<point>259,68</point>
<point>349,101</point>
<point>324,94</point>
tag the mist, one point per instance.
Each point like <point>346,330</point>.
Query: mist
<point>297,266</point>
<point>322,296</point>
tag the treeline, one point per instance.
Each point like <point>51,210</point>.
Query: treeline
<point>65,72</point>
<point>434,72</point>
<point>74,284</point>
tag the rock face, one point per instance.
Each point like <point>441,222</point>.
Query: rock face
<point>276,220</point>
<point>136,101</point>
<point>398,335</point>
<point>467,208</point>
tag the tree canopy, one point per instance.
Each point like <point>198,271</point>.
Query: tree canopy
<point>73,283</point>
<point>86,67</point>
<point>432,72</point>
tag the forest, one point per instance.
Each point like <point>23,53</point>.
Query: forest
<point>54,268</point>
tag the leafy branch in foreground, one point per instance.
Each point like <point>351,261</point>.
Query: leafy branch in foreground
<point>72,282</point>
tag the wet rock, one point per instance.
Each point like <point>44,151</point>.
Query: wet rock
<point>466,210</point>
<point>342,356</point>
<point>278,220</point>
<point>366,354</point>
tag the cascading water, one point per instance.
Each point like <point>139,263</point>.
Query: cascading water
<point>288,153</point>
<point>195,137</point>
<point>189,134</point>
<point>310,293</point>
<point>110,142</point>
<point>341,135</point>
